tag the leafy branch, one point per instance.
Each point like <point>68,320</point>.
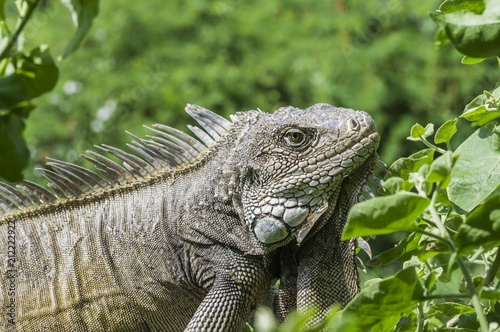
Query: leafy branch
<point>31,6</point>
<point>25,75</point>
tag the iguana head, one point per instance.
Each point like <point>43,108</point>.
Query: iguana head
<point>295,162</point>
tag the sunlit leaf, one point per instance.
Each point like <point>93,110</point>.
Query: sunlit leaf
<point>490,294</point>
<point>404,166</point>
<point>468,60</point>
<point>440,169</point>
<point>474,35</point>
<point>446,131</point>
<point>477,171</point>
<point>382,215</point>
<point>451,6</point>
<point>386,300</point>
<point>417,131</point>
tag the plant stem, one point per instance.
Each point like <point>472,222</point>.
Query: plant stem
<point>493,269</point>
<point>437,219</point>
<point>445,296</point>
<point>436,236</point>
<point>420,317</point>
<point>448,146</point>
<point>483,322</point>
<point>19,28</point>
<point>432,146</point>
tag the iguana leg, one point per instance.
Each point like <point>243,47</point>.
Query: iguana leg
<point>236,291</point>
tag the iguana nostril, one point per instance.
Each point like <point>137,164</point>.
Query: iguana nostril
<point>354,124</point>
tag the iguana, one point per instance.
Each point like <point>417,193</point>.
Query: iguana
<point>190,234</point>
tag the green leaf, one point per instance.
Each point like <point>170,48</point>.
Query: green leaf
<point>432,278</point>
<point>404,166</point>
<point>36,74</point>
<point>386,300</point>
<point>486,118</point>
<point>451,6</point>
<point>477,171</point>
<point>477,102</point>
<point>265,320</point>
<point>12,91</point>
<point>2,10</point>
<point>494,94</point>
<point>38,71</point>
<point>441,169</point>
<point>476,113</point>
<point>441,39</point>
<point>490,294</point>
<point>468,322</point>
<point>474,35</point>
<point>403,251</point>
<point>446,131</point>
<point>418,132</point>
<point>405,324</point>
<point>15,154</point>
<point>457,329</point>
<point>483,108</point>
<point>452,309</point>
<point>248,328</point>
<point>482,226</point>
<point>468,60</point>
<point>83,13</point>
<point>382,215</point>
<point>393,184</point>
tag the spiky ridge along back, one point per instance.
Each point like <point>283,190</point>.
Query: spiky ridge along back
<point>170,150</point>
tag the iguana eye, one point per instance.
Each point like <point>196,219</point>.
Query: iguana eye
<point>294,137</point>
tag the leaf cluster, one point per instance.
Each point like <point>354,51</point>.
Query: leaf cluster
<point>26,75</point>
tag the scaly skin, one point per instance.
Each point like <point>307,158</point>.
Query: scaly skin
<point>197,245</point>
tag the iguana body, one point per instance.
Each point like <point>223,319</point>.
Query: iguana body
<point>189,236</point>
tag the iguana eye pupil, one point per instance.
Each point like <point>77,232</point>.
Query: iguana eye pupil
<point>295,137</point>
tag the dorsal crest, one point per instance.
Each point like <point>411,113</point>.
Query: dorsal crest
<point>167,150</point>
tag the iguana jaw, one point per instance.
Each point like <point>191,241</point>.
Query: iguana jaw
<point>352,190</point>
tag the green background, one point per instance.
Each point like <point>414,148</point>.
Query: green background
<point>143,61</point>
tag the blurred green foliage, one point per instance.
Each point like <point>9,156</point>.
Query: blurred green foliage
<point>143,61</point>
